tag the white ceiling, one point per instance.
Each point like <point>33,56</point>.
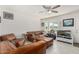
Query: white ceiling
<point>35,10</point>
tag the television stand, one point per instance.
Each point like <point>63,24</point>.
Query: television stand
<point>65,36</point>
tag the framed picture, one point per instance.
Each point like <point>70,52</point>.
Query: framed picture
<point>68,22</point>
<point>42,24</point>
<point>7,15</point>
<point>0,19</point>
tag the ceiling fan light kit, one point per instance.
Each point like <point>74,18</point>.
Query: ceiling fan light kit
<point>49,11</point>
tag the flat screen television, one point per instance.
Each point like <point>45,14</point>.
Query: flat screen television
<point>68,22</point>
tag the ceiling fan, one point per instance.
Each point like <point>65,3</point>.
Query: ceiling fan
<point>50,8</point>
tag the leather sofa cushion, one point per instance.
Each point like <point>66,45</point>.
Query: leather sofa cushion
<point>30,37</point>
<point>9,37</point>
<point>6,46</point>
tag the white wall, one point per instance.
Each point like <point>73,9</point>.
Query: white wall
<point>59,20</point>
<point>23,22</point>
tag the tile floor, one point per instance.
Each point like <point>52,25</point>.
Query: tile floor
<point>62,48</point>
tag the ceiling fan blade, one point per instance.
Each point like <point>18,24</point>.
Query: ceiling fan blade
<point>56,6</point>
<point>54,11</point>
<point>46,7</point>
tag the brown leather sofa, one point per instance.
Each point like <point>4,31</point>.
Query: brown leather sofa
<point>37,36</point>
<point>7,47</point>
<point>9,44</point>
